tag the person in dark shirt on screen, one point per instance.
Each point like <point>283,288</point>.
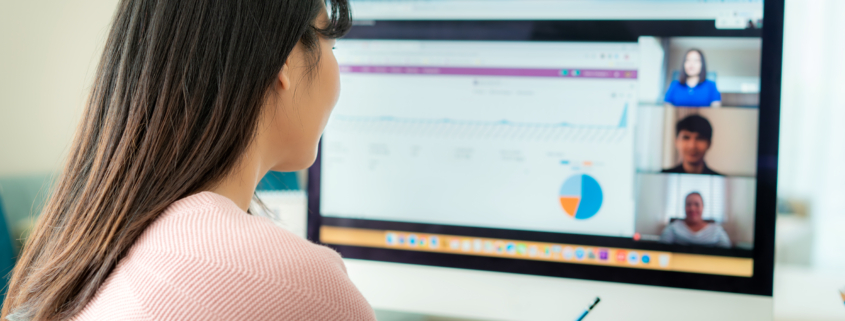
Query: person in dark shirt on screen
<point>693,136</point>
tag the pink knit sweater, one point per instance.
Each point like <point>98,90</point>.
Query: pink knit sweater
<point>205,259</point>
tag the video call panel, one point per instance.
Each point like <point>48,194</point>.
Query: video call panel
<point>697,143</point>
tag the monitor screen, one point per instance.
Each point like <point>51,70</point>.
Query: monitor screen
<point>623,146</point>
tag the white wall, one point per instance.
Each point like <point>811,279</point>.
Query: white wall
<point>812,145</point>
<point>650,76</point>
<point>48,56</point>
<point>741,197</point>
<point>651,204</point>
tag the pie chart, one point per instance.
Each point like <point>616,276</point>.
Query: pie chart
<point>581,196</point>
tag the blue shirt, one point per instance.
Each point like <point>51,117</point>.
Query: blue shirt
<point>702,95</point>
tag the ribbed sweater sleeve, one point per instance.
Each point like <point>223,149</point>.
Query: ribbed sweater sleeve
<point>205,259</point>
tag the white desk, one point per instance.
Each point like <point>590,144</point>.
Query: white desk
<point>800,294</point>
<point>805,294</point>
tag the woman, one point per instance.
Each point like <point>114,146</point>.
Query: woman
<point>693,230</point>
<point>693,89</point>
<point>193,102</point>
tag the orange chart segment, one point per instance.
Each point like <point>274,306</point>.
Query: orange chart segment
<point>570,204</point>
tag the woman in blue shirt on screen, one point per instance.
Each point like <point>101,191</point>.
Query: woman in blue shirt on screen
<point>693,89</point>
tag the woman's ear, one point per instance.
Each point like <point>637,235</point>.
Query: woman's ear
<point>284,75</point>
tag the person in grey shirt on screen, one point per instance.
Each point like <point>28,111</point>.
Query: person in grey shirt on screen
<point>693,230</point>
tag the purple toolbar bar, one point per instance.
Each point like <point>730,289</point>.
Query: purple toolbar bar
<point>512,72</point>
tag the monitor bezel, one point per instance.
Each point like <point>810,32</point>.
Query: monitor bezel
<point>769,119</point>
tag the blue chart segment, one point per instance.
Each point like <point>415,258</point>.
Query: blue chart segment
<point>581,196</point>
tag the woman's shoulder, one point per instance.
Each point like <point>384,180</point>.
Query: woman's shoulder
<point>210,228</point>
<point>206,258</point>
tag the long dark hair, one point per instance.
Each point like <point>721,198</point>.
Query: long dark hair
<point>702,76</point>
<point>175,103</point>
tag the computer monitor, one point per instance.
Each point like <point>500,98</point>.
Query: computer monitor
<point>516,159</point>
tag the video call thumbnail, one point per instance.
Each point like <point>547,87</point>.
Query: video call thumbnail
<point>709,141</point>
<point>696,210</point>
<point>713,72</point>
<point>700,71</point>
<point>697,144</point>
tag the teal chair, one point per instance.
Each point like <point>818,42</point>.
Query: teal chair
<point>7,251</point>
<point>279,181</point>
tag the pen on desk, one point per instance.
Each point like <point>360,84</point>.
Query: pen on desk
<point>584,314</point>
